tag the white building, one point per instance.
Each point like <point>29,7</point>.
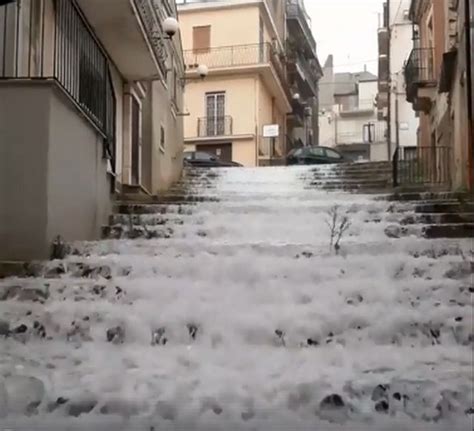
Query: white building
<point>395,43</point>
<point>348,114</point>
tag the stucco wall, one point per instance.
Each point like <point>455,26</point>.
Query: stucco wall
<point>167,162</point>
<point>53,179</point>
<point>240,27</point>
<point>240,102</point>
<point>243,151</point>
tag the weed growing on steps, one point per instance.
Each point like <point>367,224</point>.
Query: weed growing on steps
<point>338,225</point>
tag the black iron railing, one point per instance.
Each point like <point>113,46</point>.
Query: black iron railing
<point>215,126</point>
<point>295,10</point>
<point>430,166</point>
<point>59,45</point>
<point>419,71</point>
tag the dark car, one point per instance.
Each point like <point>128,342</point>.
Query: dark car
<point>314,156</point>
<point>201,159</point>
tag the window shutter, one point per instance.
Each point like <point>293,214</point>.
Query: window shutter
<point>201,38</point>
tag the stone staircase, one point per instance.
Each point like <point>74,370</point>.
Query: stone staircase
<point>433,215</point>
<point>221,305</point>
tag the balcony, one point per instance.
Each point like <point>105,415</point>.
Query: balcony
<point>362,107</point>
<point>229,60</point>
<point>374,132</point>
<point>137,48</point>
<point>211,127</point>
<point>420,74</point>
<point>299,25</point>
<point>306,74</point>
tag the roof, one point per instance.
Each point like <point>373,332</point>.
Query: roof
<point>346,82</point>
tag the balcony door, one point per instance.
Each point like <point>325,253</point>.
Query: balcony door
<point>215,114</point>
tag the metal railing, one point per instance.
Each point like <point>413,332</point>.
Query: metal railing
<point>62,48</point>
<point>308,70</point>
<point>370,133</point>
<point>361,105</point>
<point>215,126</point>
<point>147,13</point>
<point>295,10</point>
<point>422,166</point>
<point>419,70</point>
<point>236,56</point>
<point>232,56</point>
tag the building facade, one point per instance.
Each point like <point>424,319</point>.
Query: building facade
<point>90,97</point>
<point>395,39</point>
<point>242,43</point>
<point>304,73</point>
<point>348,116</point>
<point>438,76</point>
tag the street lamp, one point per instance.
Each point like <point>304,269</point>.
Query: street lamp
<point>170,27</point>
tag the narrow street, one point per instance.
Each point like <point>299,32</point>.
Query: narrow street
<point>237,314</point>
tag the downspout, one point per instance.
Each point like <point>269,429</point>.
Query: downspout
<point>470,95</point>
<point>389,110</point>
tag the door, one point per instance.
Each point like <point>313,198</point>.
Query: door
<point>222,151</point>
<point>215,114</point>
<point>136,142</point>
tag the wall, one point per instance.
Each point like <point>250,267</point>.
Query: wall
<point>400,47</point>
<point>243,151</point>
<point>167,162</point>
<point>66,189</point>
<point>327,129</point>
<point>239,27</point>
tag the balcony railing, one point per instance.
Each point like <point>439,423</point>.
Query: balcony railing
<point>308,73</point>
<point>370,133</point>
<point>419,71</point>
<point>422,166</point>
<point>295,11</point>
<point>362,105</point>
<point>147,12</point>
<point>62,50</point>
<point>235,56</point>
<point>215,126</point>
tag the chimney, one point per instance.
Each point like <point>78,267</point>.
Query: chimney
<point>365,68</point>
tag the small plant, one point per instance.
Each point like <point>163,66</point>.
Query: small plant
<point>338,225</point>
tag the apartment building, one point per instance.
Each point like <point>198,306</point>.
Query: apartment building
<point>438,77</point>
<point>348,117</point>
<point>394,40</point>
<point>90,105</point>
<point>304,72</point>
<point>238,112</point>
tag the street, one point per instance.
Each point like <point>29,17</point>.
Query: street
<point>239,314</point>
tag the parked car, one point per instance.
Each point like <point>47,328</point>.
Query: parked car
<point>314,156</point>
<point>201,159</point>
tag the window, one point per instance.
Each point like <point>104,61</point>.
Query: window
<point>215,114</point>
<point>200,155</point>
<point>317,151</point>
<point>201,39</point>
<point>333,154</point>
<point>162,139</point>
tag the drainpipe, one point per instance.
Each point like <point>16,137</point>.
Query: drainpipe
<point>389,110</point>
<point>470,95</point>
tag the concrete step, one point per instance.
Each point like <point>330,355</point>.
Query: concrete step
<point>424,196</point>
<point>439,218</point>
<point>444,207</point>
<point>145,219</point>
<point>177,208</point>
<point>459,230</point>
<point>136,231</point>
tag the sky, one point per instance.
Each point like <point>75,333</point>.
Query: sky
<point>348,30</point>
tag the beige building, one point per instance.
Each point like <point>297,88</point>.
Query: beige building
<point>242,44</point>
<point>90,106</point>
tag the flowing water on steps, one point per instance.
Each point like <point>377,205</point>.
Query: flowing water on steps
<point>245,319</point>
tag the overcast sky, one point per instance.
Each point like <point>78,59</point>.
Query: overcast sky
<point>348,30</point>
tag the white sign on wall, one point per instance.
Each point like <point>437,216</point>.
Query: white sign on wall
<point>271,131</point>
